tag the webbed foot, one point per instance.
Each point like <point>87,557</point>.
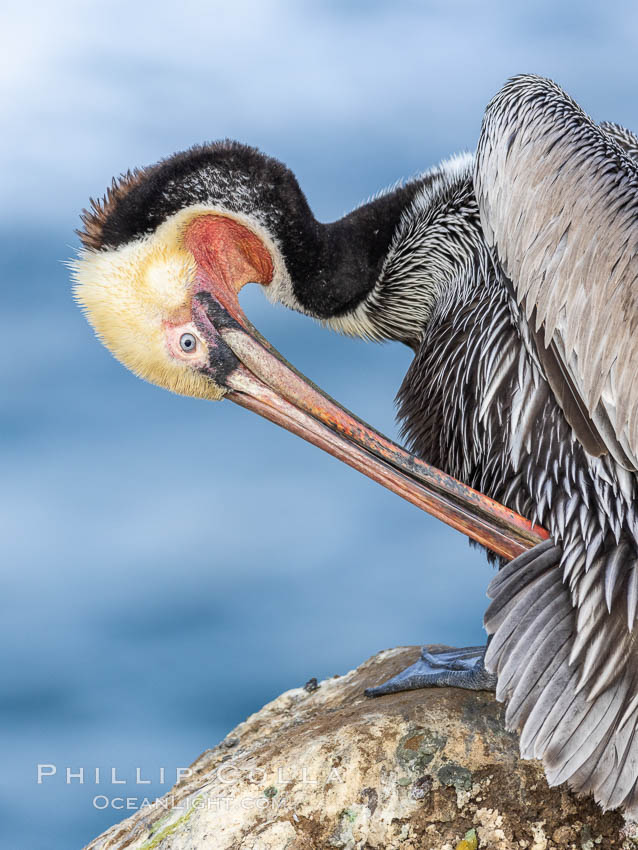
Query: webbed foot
<point>445,668</point>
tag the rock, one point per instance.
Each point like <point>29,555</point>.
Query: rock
<point>325,767</point>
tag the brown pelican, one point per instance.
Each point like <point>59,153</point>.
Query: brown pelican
<point>512,276</point>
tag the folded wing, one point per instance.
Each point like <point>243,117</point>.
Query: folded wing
<point>558,197</point>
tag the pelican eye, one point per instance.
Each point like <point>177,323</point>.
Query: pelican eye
<point>188,343</point>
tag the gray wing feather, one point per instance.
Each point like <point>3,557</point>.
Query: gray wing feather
<point>558,198</point>
<point>584,737</point>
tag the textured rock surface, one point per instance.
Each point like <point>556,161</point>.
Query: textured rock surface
<point>328,768</point>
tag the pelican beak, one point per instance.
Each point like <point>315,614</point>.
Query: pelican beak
<point>258,378</point>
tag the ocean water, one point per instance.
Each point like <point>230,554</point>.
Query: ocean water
<point>170,565</point>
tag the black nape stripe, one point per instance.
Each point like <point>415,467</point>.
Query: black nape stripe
<point>238,177</point>
<point>332,266</point>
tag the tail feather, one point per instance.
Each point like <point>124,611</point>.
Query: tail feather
<point>583,730</point>
<point>624,772</point>
<point>515,577</point>
<point>577,711</point>
<point>520,613</point>
<point>539,738</point>
<point>526,659</point>
<point>530,713</point>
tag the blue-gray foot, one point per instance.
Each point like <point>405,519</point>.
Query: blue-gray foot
<point>445,668</point>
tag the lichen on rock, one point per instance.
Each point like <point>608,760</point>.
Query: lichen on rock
<point>326,767</point>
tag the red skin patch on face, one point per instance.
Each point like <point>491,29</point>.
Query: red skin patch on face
<point>228,255</point>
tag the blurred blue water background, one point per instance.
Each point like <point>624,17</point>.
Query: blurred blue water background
<point>170,565</point>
